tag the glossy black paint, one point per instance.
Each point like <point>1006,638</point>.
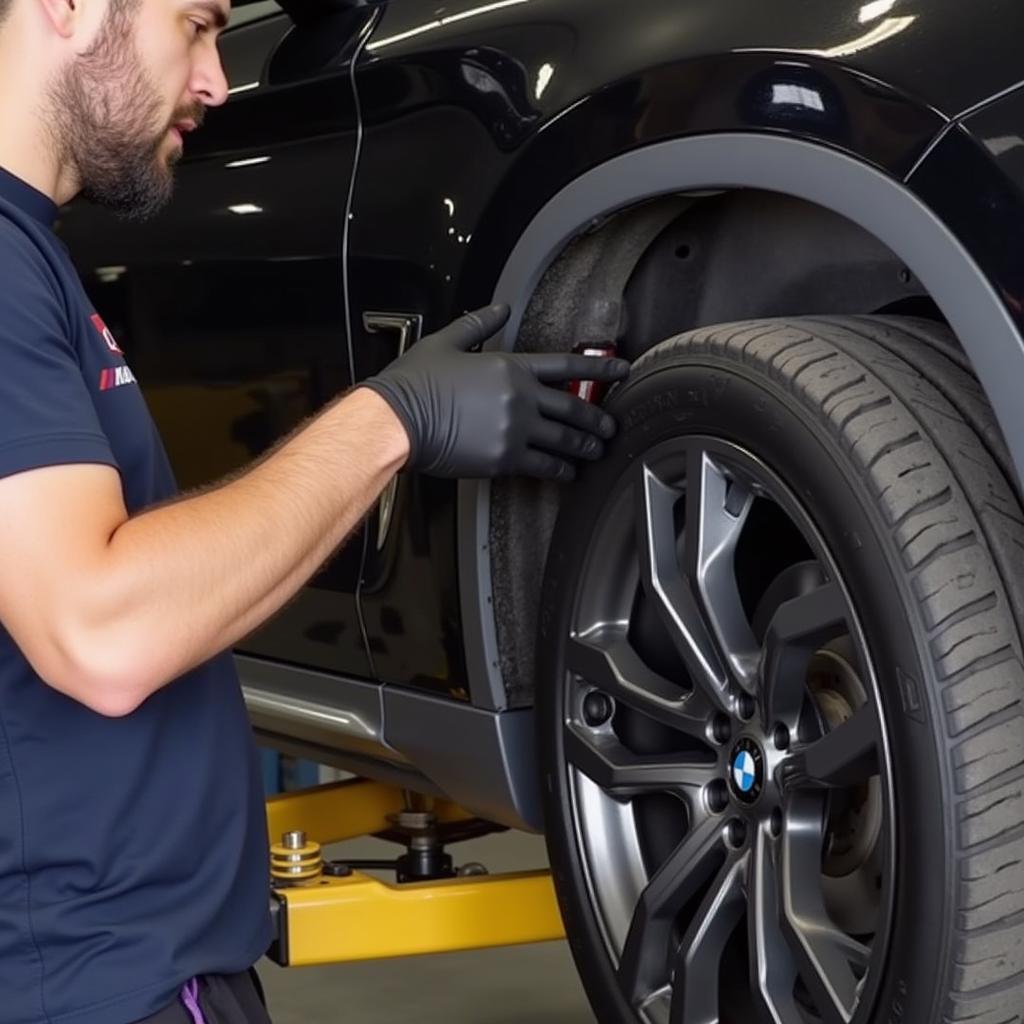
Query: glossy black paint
<point>975,176</point>
<point>978,204</point>
<point>474,116</point>
<point>945,54</point>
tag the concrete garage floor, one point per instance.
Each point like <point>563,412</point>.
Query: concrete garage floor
<point>510,985</point>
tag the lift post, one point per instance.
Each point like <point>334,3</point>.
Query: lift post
<point>332,912</point>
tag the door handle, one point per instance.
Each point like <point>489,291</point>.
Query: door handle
<point>408,326</point>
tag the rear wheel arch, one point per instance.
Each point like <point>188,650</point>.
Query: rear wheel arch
<point>652,182</point>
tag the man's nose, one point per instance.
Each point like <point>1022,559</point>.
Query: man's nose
<point>209,82</point>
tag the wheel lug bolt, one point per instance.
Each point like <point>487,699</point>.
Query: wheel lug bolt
<point>717,796</point>
<point>721,729</point>
<point>781,737</point>
<point>736,833</point>
<point>775,823</point>
<point>598,708</point>
<point>745,706</point>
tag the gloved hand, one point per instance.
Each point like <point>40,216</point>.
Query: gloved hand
<point>483,414</point>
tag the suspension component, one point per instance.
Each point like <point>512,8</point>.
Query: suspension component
<point>426,858</point>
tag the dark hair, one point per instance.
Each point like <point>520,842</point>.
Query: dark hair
<point>5,7</point>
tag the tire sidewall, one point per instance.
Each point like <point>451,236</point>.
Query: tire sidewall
<point>724,399</point>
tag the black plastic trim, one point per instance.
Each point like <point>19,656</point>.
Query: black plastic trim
<point>487,762</point>
<point>483,760</point>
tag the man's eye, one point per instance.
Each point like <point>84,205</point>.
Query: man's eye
<point>199,26</point>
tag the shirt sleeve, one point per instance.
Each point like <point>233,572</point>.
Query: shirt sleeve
<point>47,417</point>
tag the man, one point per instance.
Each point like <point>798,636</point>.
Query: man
<point>133,875</point>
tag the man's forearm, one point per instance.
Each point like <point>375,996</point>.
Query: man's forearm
<point>190,579</point>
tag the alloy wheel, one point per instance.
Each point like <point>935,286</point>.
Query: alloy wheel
<point>731,785</point>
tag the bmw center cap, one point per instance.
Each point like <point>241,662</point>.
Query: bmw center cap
<point>746,770</point>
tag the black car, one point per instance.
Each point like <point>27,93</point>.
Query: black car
<point>757,674</point>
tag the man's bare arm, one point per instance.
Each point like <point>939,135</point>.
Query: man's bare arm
<point>108,608</point>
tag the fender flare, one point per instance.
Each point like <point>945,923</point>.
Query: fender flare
<point>878,203</point>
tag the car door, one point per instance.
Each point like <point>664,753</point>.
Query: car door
<point>442,114</point>
<point>230,305</point>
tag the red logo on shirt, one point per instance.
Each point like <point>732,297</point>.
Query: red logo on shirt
<point>116,377</point>
<point>111,342</point>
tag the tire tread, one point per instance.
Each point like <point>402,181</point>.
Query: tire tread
<point>896,394</point>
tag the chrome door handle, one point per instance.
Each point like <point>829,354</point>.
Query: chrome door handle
<point>408,326</point>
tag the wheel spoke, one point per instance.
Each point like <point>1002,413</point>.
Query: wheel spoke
<point>824,954</point>
<point>672,594</point>
<point>844,756</point>
<point>695,981</point>
<point>716,512</point>
<point>772,968</point>
<point>797,629</point>
<point>645,962</point>
<point>623,774</point>
<point>612,665</point>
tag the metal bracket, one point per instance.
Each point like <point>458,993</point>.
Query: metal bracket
<point>322,919</point>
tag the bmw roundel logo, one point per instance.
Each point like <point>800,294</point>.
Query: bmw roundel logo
<point>746,770</point>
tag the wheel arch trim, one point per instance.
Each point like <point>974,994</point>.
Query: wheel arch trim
<point>880,204</point>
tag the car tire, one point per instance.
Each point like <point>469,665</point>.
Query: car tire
<point>798,570</point>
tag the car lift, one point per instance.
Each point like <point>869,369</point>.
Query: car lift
<point>332,911</point>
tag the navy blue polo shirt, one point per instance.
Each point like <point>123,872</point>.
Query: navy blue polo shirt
<point>133,851</point>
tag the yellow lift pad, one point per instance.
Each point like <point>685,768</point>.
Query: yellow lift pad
<point>359,917</point>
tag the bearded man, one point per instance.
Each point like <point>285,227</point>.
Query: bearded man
<point>124,741</point>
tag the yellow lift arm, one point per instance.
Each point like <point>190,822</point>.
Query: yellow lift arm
<point>341,915</point>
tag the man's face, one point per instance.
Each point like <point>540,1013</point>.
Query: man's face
<point>122,107</point>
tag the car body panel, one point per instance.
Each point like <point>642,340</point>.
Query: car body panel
<point>926,51</point>
<point>974,176</point>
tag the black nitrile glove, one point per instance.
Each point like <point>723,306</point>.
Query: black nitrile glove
<point>484,414</point>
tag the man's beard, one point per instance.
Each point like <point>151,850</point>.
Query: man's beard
<point>105,114</point>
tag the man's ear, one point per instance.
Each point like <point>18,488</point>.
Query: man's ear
<point>64,15</point>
